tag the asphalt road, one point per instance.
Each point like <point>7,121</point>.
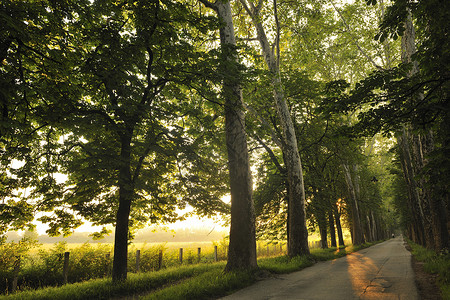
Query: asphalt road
<point>382,271</point>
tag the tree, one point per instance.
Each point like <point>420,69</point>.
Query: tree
<point>297,232</point>
<point>116,92</point>
<point>242,247</point>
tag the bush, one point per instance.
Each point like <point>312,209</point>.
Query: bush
<point>13,255</point>
<point>87,262</point>
<point>45,268</point>
<point>149,259</point>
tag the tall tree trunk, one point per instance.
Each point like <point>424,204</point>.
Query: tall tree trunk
<point>414,206</point>
<point>357,237</point>
<point>367,230</point>
<point>297,233</point>
<point>125,198</point>
<point>375,226</point>
<point>322,222</point>
<point>332,229</point>
<point>339,229</point>
<point>435,222</point>
<point>417,152</point>
<point>242,247</point>
<point>441,227</point>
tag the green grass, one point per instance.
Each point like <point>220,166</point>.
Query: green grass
<point>201,281</point>
<point>434,263</point>
<point>284,264</point>
<point>105,288</point>
<point>208,285</point>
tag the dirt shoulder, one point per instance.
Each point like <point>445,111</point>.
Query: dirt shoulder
<point>426,282</point>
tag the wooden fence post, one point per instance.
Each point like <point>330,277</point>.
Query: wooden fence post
<point>160,258</point>
<point>268,250</point>
<point>66,267</point>
<point>138,260</point>
<point>199,254</point>
<point>107,257</point>
<point>181,255</point>
<point>16,274</point>
<point>215,253</point>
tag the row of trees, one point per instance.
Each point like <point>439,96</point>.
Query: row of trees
<point>143,107</point>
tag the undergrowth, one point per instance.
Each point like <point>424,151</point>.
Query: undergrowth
<point>434,263</point>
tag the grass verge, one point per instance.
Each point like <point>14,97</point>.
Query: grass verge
<point>202,281</point>
<point>434,263</point>
<point>208,285</point>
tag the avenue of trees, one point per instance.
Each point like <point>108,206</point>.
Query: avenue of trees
<point>312,115</point>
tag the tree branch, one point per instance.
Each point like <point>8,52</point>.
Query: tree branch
<point>209,4</point>
<point>316,142</point>
<point>353,39</point>
<point>266,124</point>
<point>277,39</point>
<point>142,157</point>
<point>101,113</point>
<point>37,52</point>
<point>271,155</point>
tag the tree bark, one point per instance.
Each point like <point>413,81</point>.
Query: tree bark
<point>413,196</point>
<point>369,235</point>
<point>297,232</point>
<point>242,247</point>
<point>339,229</point>
<point>357,237</point>
<point>332,229</point>
<point>322,222</point>
<point>375,226</point>
<point>125,198</point>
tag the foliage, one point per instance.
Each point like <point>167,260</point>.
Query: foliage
<point>13,255</point>
<point>45,268</point>
<point>24,53</point>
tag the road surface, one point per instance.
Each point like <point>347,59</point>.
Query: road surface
<point>382,271</point>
